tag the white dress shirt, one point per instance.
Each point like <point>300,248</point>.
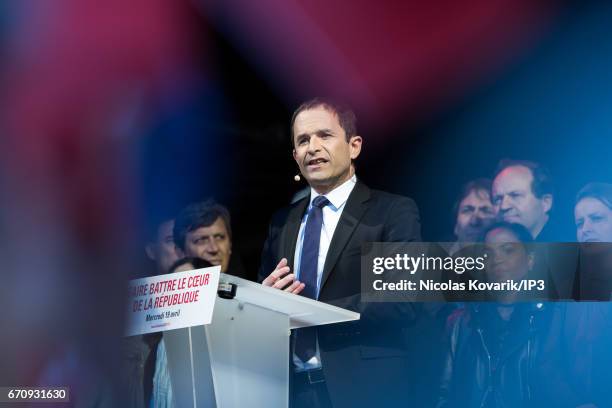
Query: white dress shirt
<point>331,215</point>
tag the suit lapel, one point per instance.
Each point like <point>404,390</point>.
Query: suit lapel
<point>351,215</point>
<point>292,228</point>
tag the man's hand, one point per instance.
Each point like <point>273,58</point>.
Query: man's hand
<point>280,278</point>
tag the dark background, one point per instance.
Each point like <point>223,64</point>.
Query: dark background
<point>550,104</point>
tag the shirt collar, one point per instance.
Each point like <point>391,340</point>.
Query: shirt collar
<point>338,196</point>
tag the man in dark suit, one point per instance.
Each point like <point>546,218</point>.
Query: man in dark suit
<point>522,192</point>
<point>314,249</point>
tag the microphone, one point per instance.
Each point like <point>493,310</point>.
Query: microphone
<point>297,177</point>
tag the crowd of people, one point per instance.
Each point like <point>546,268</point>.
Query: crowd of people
<point>504,353</point>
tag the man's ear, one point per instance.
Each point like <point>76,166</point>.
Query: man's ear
<point>355,146</point>
<point>547,202</point>
<point>150,250</point>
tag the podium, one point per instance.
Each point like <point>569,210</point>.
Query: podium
<point>242,358</point>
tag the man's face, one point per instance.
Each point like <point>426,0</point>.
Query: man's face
<point>321,150</point>
<point>515,202</point>
<point>474,215</point>
<point>211,243</point>
<point>593,221</point>
<point>163,251</point>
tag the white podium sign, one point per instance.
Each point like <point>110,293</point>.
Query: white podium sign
<point>172,301</point>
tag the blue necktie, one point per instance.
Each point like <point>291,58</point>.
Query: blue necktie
<point>310,247</point>
<point>306,340</point>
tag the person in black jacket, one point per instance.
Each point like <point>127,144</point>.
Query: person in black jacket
<point>497,350</point>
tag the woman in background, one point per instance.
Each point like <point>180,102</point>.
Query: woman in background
<point>587,332</point>
<point>496,350</point>
<point>593,217</point>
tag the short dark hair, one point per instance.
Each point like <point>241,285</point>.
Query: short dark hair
<point>542,181</point>
<point>346,117</point>
<point>152,229</point>
<point>198,263</point>
<point>479,184</point>
<point>198,215</point>
<point>520,232</point>
<point>155,216</point>
<point>599,191</point>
